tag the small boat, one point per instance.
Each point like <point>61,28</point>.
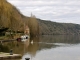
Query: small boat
<point>26,33</point>
<point>24,37</point>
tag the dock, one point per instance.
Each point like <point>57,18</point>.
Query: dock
<point>8,56</point>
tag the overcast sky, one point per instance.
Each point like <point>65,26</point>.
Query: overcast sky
<point>67,11</point>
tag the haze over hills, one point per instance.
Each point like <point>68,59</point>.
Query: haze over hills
<point>11,18</point>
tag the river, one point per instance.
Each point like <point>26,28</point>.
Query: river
<point>55,47</point>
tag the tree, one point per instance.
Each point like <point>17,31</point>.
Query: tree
<point>33,26</point>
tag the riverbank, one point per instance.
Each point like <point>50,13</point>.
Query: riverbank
<point>8,56</point>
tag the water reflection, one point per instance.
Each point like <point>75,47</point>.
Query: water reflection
<point>46,47</point>
<point>61,39</point>
<point>55,47</point>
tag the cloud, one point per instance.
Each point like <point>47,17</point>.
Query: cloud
<point>54,10</point>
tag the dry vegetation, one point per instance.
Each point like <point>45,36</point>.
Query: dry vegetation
<point>11,18</point>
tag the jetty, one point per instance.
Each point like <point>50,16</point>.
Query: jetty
<point>6,56</point>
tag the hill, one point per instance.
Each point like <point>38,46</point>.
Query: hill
<point>52,28</point>
<point>11,18</point>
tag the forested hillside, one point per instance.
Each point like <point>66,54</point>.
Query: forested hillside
<point>11,18</point>
<point>52,28</point>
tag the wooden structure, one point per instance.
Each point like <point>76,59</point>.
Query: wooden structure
<point>8,56</point>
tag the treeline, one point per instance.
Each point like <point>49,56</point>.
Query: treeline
<point>53,28</point>
<point>11,18</point>
<point>33,25</point>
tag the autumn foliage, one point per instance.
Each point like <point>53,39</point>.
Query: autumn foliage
<point>11,18</point>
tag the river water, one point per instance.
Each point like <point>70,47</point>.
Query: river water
<point>56,47</point>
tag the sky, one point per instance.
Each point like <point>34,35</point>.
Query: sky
<point>63,11</point>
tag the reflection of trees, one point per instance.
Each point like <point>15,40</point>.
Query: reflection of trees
<point>48,40</point>
<point>60,39</point>
<point>20,47</point>
<point>17,47</point>
<point>4,48</point>
<point>32,48</point>
<point>43,42</point>
<point>46,46</point>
